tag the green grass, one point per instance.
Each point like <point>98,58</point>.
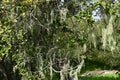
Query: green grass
<point>101,77</point>
<point>92,65</point>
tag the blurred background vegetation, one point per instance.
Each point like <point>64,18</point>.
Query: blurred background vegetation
<point>58,39</point>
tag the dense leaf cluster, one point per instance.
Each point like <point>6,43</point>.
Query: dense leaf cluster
<point>42,39</point>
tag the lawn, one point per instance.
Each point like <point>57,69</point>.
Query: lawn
<point>93,66</point>
<point>101,77</point>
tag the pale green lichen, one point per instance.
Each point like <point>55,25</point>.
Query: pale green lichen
<point>107,35</point>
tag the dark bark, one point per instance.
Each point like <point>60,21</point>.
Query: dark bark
<point>3,70</point>
<point>10,72</point>
<point>6,69</point>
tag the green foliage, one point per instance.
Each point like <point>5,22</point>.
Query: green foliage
<point>38,35</point>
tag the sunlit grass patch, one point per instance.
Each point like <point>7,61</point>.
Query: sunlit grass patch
<point>111,75</point>
<point>101,77</point>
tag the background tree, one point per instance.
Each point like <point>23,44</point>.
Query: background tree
<point>43,39</point>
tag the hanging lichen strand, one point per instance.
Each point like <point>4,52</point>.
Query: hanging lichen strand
<point>63,14</point>
<point>107,35</point>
